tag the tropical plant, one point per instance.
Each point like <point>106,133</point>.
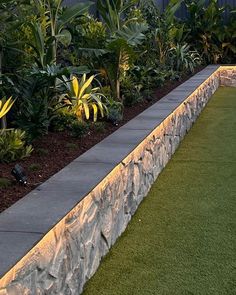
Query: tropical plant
<point>183,59</point>
<point>92,31</point>
<point>131,90</point>
<point>123,35</point>
<point>149,76</point>
<point>34,118</point>
<point>167,32</point>
<point>52,30</point>
<point>12,145</point>
<point>150,12</point>
<point>5,107</point>
<point>227,38</point>
<point>42,46</point>
<point>82,98</point>
<point>205,23</point>
<point>11,55</point>
<point>115,110</point>
<point>89,42</point>
<point>37,99</point>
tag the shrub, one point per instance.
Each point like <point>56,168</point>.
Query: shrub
<point>34,167</point>
<point>99,126</point>
<point>33,119</point>
<point>130,91</point>
<point>115,111</point>
<point>79,129</point>
<point>12,145</point>
<point>4,182</point>
<point>184,59</point>
<point>63,121</point>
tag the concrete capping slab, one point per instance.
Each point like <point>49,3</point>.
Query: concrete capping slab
<point>79,200</point>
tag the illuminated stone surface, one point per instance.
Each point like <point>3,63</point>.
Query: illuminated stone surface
<point>228,76</point>
<point>84,208</point>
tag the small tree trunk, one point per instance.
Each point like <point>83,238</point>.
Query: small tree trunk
<point>118,78</point>
<point>3,123</point>
<point>118,89</point>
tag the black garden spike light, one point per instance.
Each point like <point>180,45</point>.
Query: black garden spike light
<point>19,173</point>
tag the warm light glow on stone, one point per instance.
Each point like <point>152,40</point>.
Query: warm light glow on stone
<point>78,241</point>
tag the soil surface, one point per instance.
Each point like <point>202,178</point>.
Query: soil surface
<point>55,150</point>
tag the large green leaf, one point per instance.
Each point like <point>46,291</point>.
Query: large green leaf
<point>38,43</point>
<point>109,10</point>
<point>71,12</point>
<point>64,37</point>
<point>112,11</point>
<point>132,33</point>
<point>97,52</point>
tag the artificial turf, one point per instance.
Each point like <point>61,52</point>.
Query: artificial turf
<point>182,239</point>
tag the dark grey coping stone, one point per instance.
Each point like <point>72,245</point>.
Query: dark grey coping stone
<point>32,218</point>
<point>126,136</point>
<point>27,221</point>
<point>111,153</point>
<point>143,122</point>
<point>86,175</point>
<point>15,245</point>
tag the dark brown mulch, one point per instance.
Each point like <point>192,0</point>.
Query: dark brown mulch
<point>53,151</point>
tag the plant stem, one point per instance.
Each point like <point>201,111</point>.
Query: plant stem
<point>118,77</point>
<point>3,119</point>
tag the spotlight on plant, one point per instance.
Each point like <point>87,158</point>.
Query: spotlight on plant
<point>19,173</point>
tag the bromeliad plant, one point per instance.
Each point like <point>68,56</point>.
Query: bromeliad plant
<point>82,98</point>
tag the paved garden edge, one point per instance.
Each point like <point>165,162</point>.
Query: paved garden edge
<point>52,240</point>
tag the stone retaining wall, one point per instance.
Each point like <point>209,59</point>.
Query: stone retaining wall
<point>228,76</point>
<point>75,229</point>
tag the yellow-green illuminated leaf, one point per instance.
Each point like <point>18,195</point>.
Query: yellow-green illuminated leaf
<point>83,79</point>
<point>6,107</point>
<point>86,110</point>
<point>95,112</point>
<point>75,85</point>
<point>86,96</point>
<point>86,85</point>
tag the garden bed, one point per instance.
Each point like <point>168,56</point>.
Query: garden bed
<point>53,239</point>
<point>75,69</point>
<point>56,150</point>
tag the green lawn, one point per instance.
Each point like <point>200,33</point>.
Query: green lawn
<point>182,240</point>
